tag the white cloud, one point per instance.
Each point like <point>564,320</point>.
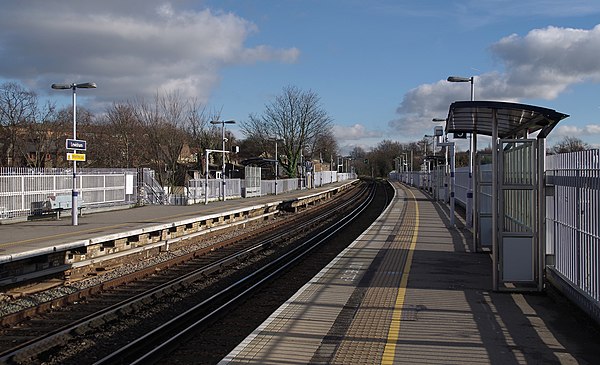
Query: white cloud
<point>546,61</point>
<point>539,65</point>
<point>592,129</point>
<point>585,133</point>
<point>129,48</point>
<point>354,132</point>
<point>567,130</point>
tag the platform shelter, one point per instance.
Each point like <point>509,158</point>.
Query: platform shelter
<point>513,217</point>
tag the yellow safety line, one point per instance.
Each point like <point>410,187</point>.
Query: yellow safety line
<point>390,347</point>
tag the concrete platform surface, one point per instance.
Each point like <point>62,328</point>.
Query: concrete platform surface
<point>408,291</point>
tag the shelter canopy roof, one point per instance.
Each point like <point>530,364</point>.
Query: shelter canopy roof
<point>512,118</point>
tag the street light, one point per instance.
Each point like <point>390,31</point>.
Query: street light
<point>472,148</point>
<point>223,122</point>
<point>428,162</point>
<point>464,79</point>
<point>85,85</point>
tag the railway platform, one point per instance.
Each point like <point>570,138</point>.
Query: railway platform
<point>42,247</point>
<point>409,291</point>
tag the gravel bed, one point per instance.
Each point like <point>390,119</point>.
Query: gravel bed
<point>90,347</point>
<point>9,305</point>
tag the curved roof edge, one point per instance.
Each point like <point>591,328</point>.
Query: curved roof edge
<point>512,118</point>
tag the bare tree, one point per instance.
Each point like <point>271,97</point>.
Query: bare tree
<point>361,161</point>
<point>86,130</point>
<point>41,137</point>
<point>569,144</point>
<point>297,118</point>
<point>121,138</point>
<point>324,146</point>
<point>381,158</point>
<point>17,106</point>
<point>202,134</point>
<point>163,123</point>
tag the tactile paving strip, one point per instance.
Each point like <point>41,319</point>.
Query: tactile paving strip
<point>363,342</point>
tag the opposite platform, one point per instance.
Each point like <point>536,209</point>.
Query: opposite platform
<point>31,238</point>
<point>408,291</point>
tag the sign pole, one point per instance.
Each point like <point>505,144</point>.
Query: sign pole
<point>74,217</point>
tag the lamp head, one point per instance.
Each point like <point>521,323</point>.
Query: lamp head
<point>222,122</point>
<point>459,79</point>
<point>61,86</point>
<point>86,85</point>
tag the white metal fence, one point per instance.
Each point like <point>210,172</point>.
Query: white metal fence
<point>325,177</point>
<point>283,186</point>
<point>573,219</point>
<point>434,182</point>
<point>196,190</point>
<point>22,188</point>
<point>572,214</point>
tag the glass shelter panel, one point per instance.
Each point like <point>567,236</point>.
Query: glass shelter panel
<point>483,212</point>
<point>518,211</point>
<point>519,164</point>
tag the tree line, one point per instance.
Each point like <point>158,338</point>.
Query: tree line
<point>169,134</point>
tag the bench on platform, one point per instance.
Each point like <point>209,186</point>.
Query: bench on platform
<point>55,204</point>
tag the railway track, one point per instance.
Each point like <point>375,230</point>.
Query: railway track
<point>162,340</point>
<point>45,334</point>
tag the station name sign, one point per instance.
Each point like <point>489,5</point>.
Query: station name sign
<point>76,144</point>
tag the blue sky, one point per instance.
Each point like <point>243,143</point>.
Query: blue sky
<point>379,66</point>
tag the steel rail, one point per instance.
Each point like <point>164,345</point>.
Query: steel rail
<point>130,353</point>
<point>52,339</point>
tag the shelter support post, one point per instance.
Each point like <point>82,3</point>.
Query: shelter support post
<point>495,194</point>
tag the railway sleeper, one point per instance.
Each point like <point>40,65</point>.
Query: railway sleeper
<point>41,347</point>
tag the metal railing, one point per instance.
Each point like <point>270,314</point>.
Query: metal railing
<point>151,191</point>
<point>573,218</point>
<point>325,177</point>
<point>24,188</point>
<point>283,186</point>
<point>572,215</point>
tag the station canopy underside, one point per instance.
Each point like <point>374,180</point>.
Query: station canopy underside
<point>513,119</point>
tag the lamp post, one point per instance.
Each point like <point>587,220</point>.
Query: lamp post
<point>85,85</point>
<point>428,162</point>
<point>472,148</point>
<point>223,122</point>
